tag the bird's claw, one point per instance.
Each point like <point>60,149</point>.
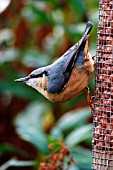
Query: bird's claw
<point>90,99</point>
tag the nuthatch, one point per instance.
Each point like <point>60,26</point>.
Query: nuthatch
<point>68,76</point>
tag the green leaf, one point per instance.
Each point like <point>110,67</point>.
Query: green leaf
<point>73,118</point>
<point>74,167</point>
<point>56,133</point>
<point>69,121</point>
<point>83,157</point>
<point>79,135</point>
<point>15,163</point>
<point>29,125</point>
<point>4,148</point>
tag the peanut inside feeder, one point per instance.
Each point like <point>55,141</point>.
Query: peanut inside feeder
<point>103,104</point>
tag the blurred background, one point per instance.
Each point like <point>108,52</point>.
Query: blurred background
<point>34,34</point>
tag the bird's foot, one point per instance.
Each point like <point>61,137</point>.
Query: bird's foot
<point>90,99</point>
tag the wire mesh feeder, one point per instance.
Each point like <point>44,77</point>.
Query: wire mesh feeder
<point>102,156</point>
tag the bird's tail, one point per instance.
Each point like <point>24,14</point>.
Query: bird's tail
<point>86,33</point>
<point>88,28</point>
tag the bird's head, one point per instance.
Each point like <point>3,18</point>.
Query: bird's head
<point>36,79</point>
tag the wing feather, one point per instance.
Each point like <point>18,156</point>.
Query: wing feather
<point>60,71</point>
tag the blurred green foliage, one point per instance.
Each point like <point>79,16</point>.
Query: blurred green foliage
<point>34,34</point>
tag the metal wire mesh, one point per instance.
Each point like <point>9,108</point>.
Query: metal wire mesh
<point>102,156</point>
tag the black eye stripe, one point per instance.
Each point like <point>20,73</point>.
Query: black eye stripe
<point>37,75</point>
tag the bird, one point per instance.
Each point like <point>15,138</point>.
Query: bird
<point>68,76</point>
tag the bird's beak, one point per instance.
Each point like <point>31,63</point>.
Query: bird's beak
<point>22,79</point>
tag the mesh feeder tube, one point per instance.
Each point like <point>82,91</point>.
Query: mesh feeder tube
<point>102,144</point>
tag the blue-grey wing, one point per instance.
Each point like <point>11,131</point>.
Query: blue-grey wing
<point>60,71</point>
